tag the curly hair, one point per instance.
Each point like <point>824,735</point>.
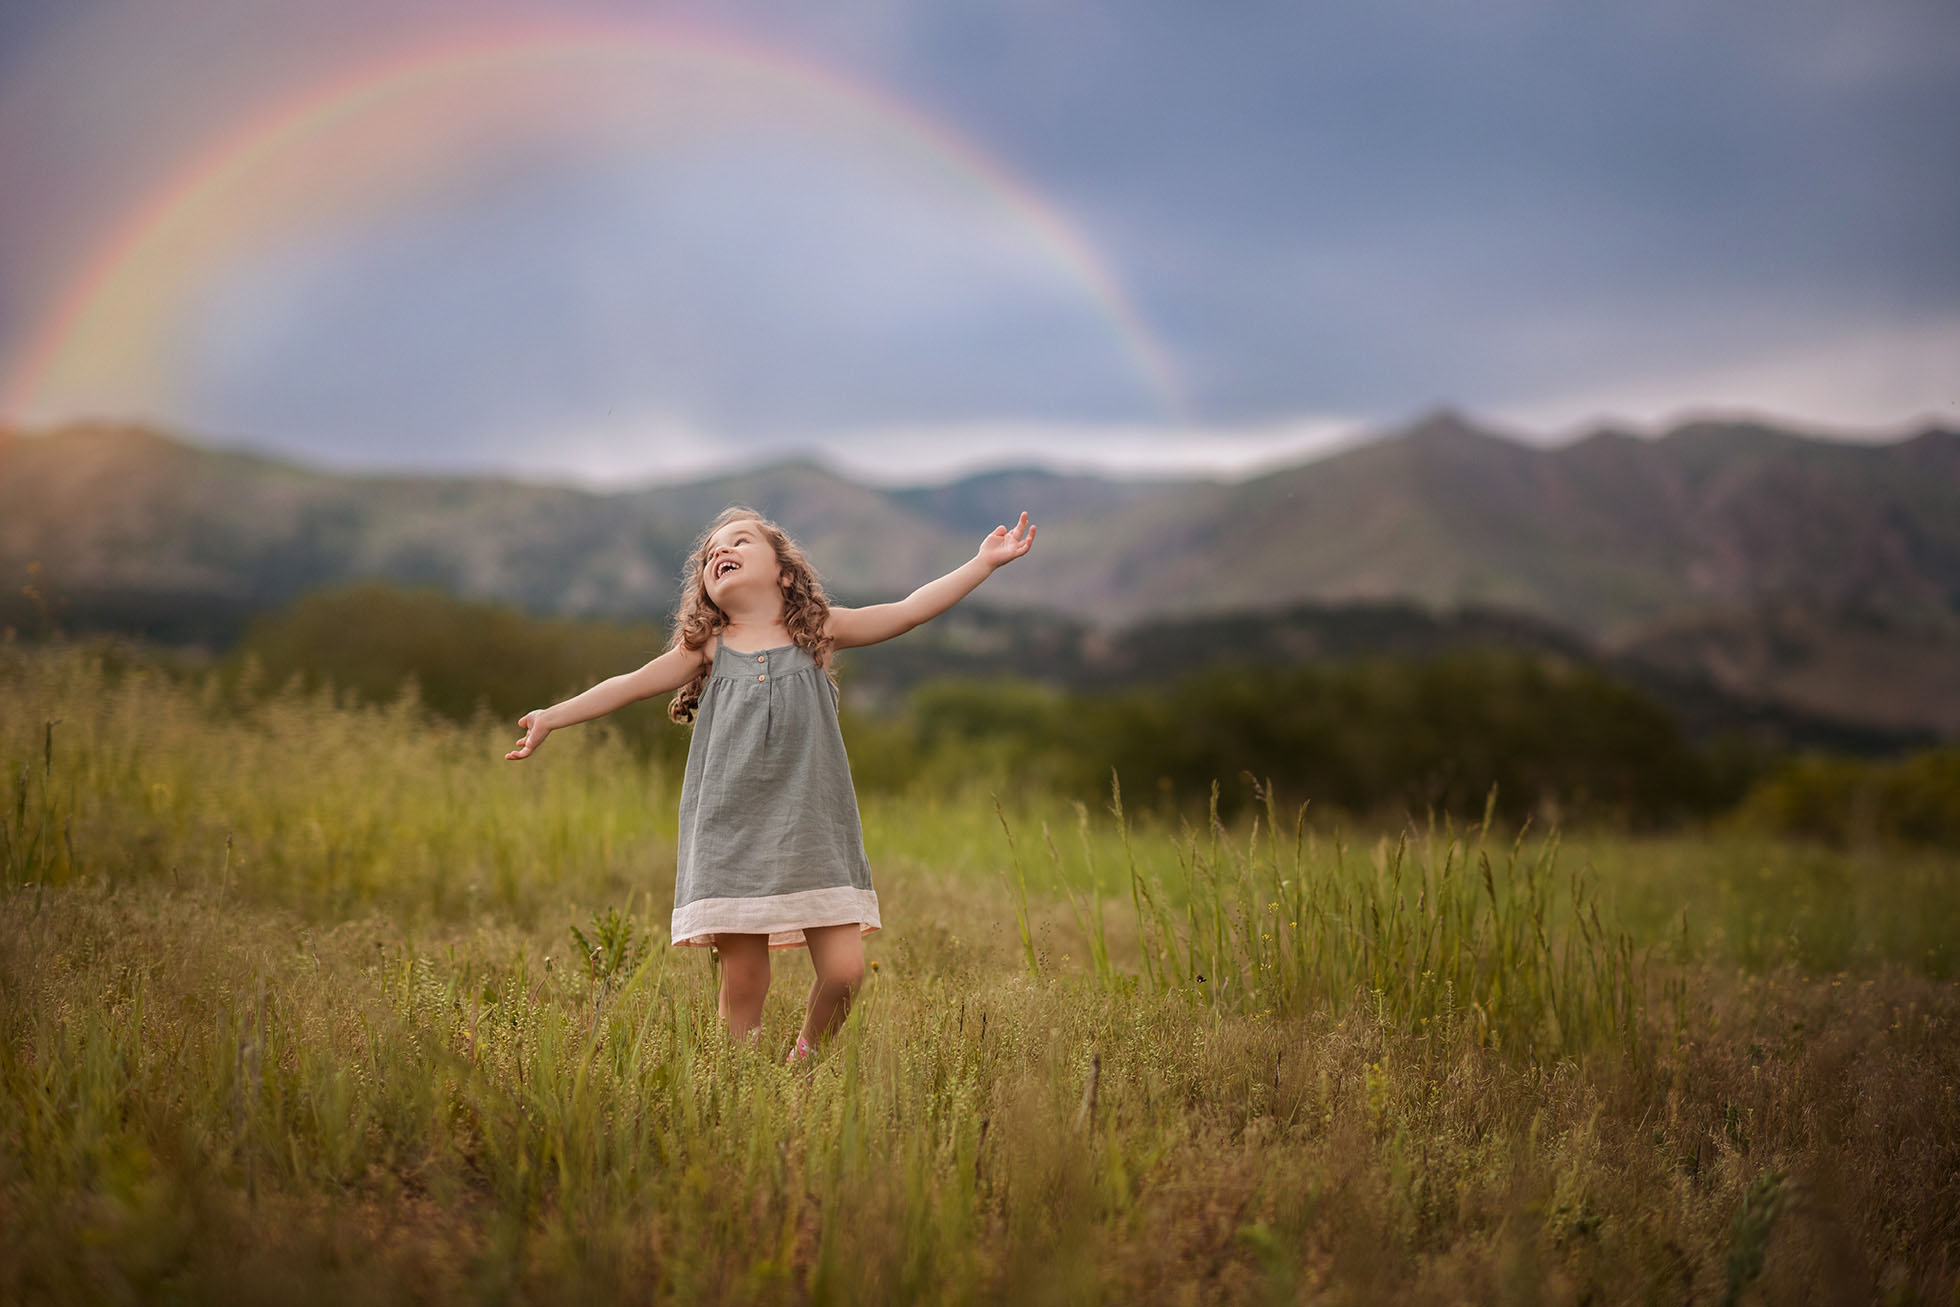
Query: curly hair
<point>697,619</point>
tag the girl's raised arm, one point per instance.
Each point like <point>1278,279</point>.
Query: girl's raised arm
<point>854,627</point>
<point>665,674</point>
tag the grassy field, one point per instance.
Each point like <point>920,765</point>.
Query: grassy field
<point>293,1007</point>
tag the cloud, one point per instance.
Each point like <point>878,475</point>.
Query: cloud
<point>906,455</point>
<point>752,279</point>
<point>1535,211</point>
<point>654,446</point>
<point>1878,381</point>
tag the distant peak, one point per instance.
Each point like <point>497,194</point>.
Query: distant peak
<point>1448,428</point>
<point>1941,438</point>
<point>100,431</point>
<point>1000,475</point>
<point>794,467</point>
<point>1609,437</point>
<point>1717,430</point>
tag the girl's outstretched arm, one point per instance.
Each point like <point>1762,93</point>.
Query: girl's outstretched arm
<point>665,674</point>
<point>852,627</point>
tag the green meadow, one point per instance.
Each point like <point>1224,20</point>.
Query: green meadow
<point>319,1000</point>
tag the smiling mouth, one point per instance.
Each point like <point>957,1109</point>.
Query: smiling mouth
<point>724,567</point>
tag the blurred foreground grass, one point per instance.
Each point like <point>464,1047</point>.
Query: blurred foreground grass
<point>291,1006</point>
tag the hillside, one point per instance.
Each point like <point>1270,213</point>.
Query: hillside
<point>1679,551</point>
<point>1603,535</point>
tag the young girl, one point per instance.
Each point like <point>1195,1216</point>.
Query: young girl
<point>771,854</point>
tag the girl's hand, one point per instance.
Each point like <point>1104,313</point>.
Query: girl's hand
<point>1003,546</point>
<point>534,732</point>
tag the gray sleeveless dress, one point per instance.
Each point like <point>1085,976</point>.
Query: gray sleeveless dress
<point>769,835</point>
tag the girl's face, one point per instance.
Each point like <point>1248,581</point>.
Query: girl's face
<point>740,560</point>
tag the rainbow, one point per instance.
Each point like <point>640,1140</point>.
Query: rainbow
<point>108,324</point>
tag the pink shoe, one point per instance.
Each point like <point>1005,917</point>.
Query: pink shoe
<point>802,1052</point>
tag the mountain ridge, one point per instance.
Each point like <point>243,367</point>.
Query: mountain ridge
<point>1678,543</point>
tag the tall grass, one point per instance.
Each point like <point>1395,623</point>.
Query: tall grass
<point>259,1038</point>
<point>1422,929</point>
<point>302,801</point>
<point>114,769</point>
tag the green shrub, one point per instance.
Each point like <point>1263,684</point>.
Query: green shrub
<point>367,640</point>
<point>1842,801</point>
<point>1554,738</point>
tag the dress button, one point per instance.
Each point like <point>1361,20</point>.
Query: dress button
<point>762,658</point>
<point>761,678</point>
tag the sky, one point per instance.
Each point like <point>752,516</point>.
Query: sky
<point>612,242</point>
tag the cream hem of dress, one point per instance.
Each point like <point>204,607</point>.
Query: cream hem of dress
<point>782,917</point>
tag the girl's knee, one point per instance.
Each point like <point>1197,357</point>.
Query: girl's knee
<point>739,984</point>
<point>842,975</point>
<point>745,978</point>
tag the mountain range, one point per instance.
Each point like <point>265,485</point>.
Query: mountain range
<point>1819,574</point>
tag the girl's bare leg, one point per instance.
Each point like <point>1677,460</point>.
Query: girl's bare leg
<point>837,953</point>
<point>744,981</point>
